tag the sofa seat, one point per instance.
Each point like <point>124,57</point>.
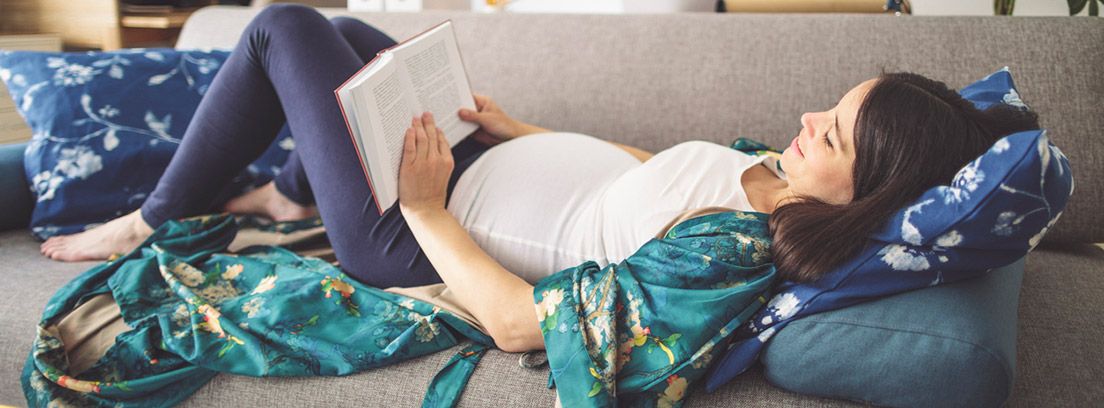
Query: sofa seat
<point>1059,360</point>
<point>748,76</point>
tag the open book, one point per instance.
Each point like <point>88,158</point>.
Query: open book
<point>421,74</point>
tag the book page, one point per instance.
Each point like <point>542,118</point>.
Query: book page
<point>390,114</point>
<point>424,73</point>
<point>436,73</point>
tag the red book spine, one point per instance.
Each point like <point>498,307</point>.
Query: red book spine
<point>352,138</point>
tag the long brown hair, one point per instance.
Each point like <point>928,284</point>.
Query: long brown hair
<point>911,134</point>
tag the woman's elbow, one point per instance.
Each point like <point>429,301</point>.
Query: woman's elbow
<point>509,344</point>
<point>517,343</point>
<point>517,332</point>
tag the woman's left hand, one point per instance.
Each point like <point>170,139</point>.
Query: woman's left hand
<point>425,168</point>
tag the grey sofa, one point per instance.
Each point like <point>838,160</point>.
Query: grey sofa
<point>654,80</point>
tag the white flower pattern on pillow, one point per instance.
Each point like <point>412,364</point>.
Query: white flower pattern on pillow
<point>965,182</point>
<point>66,74</point>
<point>78,162</point>
<point>44,185</point>
<point>902,258</point>
<point>1013,98</point>
<point>909,232</point>
<point>784,305</point>
<point>949,239</point>
<point>1006,224</point>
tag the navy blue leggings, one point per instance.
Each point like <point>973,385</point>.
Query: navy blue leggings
<point>284,71</point>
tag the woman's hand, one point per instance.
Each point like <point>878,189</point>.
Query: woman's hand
<point>495,126</point>
<point>425,168</point>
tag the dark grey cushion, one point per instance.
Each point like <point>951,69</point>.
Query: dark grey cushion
<point>15,208</point>
<point>952,345</point>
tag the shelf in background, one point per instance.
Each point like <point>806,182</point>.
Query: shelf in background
<point>12,127</point>
<point>172,19</point>
<point>97,24</point>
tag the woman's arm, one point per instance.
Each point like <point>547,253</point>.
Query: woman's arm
<point>500,300</point>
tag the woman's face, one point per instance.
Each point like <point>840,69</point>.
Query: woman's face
<point>819,160</point>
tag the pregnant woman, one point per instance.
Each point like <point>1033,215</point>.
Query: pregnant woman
<point>489,222</point>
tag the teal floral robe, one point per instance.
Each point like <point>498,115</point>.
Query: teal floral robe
<point>637,332</point>
<point>264,311</point>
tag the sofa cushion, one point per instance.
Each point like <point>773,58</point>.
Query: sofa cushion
<point>106,125</point>
<point>945,346</point>
<point>15,209</point>
<point>996,210</point>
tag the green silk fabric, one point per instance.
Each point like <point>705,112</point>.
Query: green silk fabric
<point>639,332</point>
<point>635,332</point>
<point>265,311</point>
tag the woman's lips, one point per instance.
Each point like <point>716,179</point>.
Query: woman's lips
<point>797,148</point>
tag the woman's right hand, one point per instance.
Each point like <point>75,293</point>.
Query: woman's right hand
<point>495,125</point>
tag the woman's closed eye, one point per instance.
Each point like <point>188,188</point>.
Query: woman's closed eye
<point>827,141</point>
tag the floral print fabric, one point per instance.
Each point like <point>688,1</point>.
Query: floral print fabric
<point>106,124</point>
<point>996,210</point>
<point>265,311</point>
<point>639,332</point>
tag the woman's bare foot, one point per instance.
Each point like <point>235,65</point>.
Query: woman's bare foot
<point>269,202</point>
<point>118,236</point>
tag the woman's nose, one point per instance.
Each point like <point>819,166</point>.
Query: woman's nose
<point>807,120</point>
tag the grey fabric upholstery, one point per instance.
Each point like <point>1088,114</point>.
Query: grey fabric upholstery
<point>654,80</point>
<point>1059,358</point>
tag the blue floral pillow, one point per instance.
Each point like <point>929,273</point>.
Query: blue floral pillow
<point>105,125</point>
<point>994,212</point>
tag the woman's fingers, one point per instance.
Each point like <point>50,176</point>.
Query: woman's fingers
<point>428,140</point>
<point>410,151</point>
<point>420,139</point>
<point>442,144</point>
<point>431,133</point>
<point>480,100</point>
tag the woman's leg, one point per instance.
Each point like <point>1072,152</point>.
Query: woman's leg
<point>286,197</point>
<point>288,62</point>
<point>292,180</point>
<point>291,183</point>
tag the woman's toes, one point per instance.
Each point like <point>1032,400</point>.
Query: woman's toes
<point>50,252</point>
<point>49,245</point>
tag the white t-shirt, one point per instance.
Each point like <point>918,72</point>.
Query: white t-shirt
<point>546,202</point>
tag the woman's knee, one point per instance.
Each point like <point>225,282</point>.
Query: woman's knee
<point>346,24</point>
<point>284,25</point>
<point>285,17</point>
<point>361,35</point>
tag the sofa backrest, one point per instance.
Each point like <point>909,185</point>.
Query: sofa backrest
<point>653,80</point>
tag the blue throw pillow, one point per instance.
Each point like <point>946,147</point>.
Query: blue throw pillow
<point>996,210</point>
<point>105,125</point>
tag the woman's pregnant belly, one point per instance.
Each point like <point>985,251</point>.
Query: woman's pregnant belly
<point>531,203</point>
